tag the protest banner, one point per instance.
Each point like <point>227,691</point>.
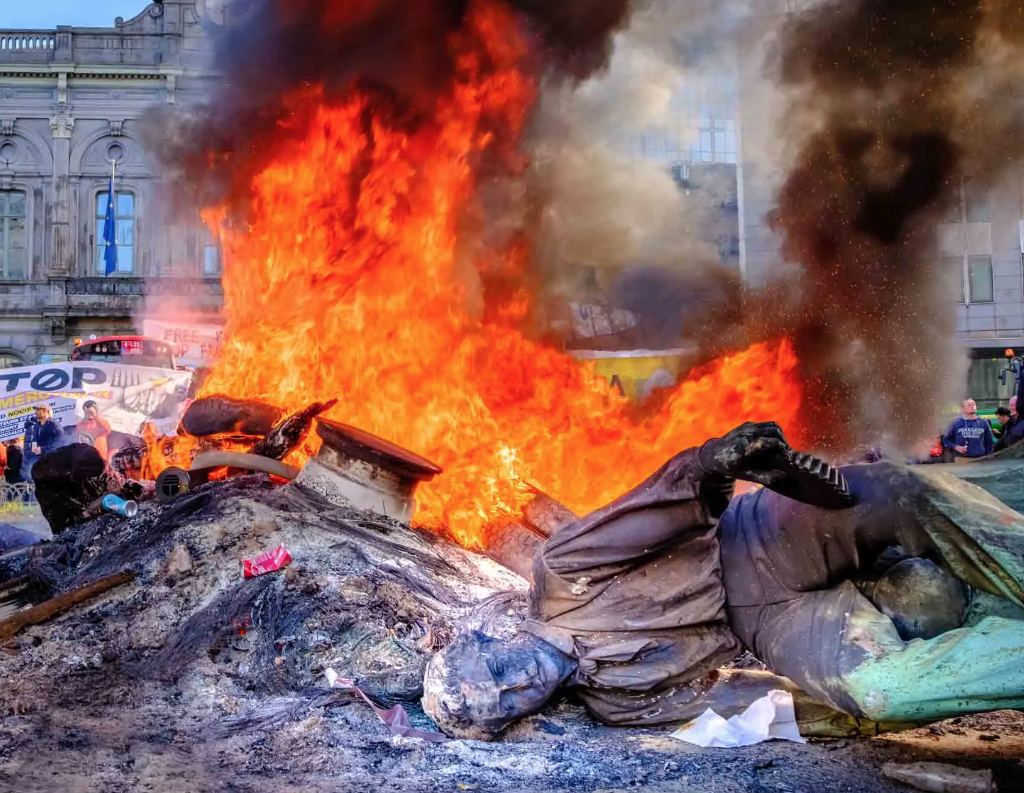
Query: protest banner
<point>126,396</point>
<point>195,344</point>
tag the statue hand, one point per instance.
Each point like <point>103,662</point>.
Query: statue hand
<point>753,452</point>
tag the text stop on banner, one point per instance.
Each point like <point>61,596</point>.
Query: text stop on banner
<point>126,396</point>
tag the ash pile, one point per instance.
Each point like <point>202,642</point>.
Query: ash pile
<point>251,625</point>
<point>250,578</point>
<point>203,631</point>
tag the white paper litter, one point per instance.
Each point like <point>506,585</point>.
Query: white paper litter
<point>769,718</point>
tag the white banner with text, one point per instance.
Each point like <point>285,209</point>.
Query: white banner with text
<point>126,396</point>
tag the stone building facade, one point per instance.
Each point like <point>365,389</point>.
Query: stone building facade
<point>72,102</point>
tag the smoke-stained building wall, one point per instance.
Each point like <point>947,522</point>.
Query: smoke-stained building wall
<point>71,100</point>
<point>701,146</point>
<point>979,242</point>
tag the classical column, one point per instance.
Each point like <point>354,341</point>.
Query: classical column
<point>62,254</point>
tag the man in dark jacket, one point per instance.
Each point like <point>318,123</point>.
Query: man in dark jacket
<point>969,436</point>
<point>15,461</point>
<point>42,435</point>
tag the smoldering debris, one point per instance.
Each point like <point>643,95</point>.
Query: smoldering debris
<point>889,133</point>
<point>172,626</point>
<point>225,677</point>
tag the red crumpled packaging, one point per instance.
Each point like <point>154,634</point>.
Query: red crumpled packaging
<point>266,562</point>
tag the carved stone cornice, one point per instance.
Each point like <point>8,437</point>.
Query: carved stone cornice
<point>139,287</point>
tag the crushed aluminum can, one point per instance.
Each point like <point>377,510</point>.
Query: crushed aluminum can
<point>117,505</point>
<point>266,562</point>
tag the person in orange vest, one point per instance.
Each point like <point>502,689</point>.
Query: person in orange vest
<point>94,429</point>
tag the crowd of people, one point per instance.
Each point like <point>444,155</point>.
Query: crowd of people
<point>43,433</point>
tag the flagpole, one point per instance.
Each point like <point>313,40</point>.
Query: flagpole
<point>111,214</point>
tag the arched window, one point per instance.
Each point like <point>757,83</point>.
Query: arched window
<point>13,234</point>
<point>124,214</point>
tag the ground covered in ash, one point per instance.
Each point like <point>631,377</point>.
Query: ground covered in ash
<point>193,679</point>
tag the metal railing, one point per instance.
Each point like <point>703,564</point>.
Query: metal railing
<point>27,40</point>
<point>21,493</point>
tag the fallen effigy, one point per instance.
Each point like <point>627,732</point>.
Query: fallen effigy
<point>636,606</point>
<point>226,606</point>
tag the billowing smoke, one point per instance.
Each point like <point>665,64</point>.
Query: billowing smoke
<point>888,107</point>
<point>597,202</point>
<point>604,214</point>
<point>273,49</point>
<point>894,104</point>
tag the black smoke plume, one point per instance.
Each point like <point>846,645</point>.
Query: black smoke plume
<point>890,105</point>
<point>895,103</point>
<point>400,49</point>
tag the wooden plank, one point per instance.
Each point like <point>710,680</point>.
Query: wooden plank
<point>14,587</point>
<point>546,516</point>
<point>49,609</point>
<point>10,607</point>
<point>513,545</point>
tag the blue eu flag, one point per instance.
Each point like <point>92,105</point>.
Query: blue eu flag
<point>110,232</point>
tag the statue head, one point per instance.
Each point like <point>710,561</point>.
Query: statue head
<point>478,685</point>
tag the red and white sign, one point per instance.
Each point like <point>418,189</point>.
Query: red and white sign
<point>194,344</point>
<point>131,347</point>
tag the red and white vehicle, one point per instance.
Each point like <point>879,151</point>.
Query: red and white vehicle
<point>131,350</point>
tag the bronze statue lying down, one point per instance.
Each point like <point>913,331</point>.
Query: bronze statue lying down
<point>635,607</point>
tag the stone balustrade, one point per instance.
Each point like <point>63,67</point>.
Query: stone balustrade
<point>28,46</point>
<point>21,40</point>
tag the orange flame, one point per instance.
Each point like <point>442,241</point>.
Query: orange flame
<point>351,281</point>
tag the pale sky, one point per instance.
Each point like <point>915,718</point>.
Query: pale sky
<point>47,14</point>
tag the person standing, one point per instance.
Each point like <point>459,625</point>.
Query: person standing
<point>94,429</point>
<point>42,435</point>
<point>1005,419</point>
<point>968,435</point>
<point>15,460</point>
<point>1013,430</point>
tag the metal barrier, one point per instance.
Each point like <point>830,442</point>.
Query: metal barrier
<point>21,493</point>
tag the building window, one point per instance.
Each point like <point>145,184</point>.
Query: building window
<point>124,214</point>
<point>704,130</point>
<point>952,267</point>
<point>13,234</point>
<point>211,259</point>
<point>714,140</point>
<point>976,204</point>
<point>979,279</point>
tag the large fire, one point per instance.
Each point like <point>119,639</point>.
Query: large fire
<point>353,280</point>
